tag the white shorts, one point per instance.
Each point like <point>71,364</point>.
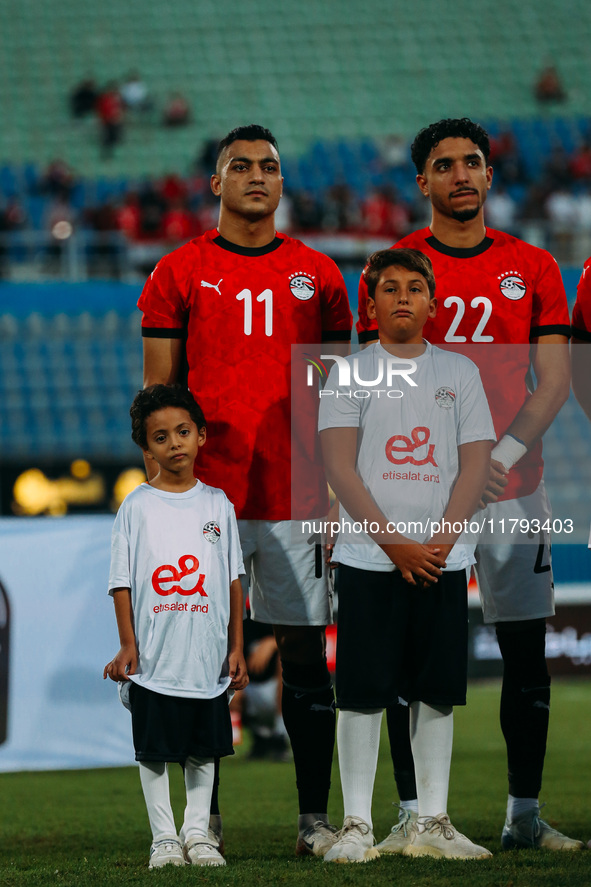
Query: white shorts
<point>515,578</point>
<point>281,568</point>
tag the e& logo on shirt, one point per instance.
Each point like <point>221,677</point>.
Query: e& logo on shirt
<point>168,580</point>
<point>400,449</point>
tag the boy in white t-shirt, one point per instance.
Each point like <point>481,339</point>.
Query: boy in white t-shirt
<point>175,568</point>
<point>406,437</point>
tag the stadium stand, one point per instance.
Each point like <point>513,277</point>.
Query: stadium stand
<point>66,383</point>
<point>308,70</point>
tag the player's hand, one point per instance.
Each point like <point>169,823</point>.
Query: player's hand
<point>328,550</point>
<point>497,481</point>
<point>122,665</point>
<point>418,563</point>
<point>261,654</point>
<point>238,673</point>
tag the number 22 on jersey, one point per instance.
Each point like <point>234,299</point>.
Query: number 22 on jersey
<point>485,308</point>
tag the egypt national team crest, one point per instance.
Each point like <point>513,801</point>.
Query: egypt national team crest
<point>512,285</point>
<point>445,397</point>
<point>302,285</point>
<point>212,531</point>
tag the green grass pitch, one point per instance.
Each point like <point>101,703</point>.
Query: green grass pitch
<point>89,827</point>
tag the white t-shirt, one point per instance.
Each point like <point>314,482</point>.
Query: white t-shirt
<point>178,552</point>
<point>412,415</point>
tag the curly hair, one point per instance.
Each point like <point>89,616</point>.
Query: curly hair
<point>157,397</point>
<point>449,128</point>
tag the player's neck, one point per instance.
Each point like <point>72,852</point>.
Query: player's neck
<point>460,235</point>
<point>244,232</point>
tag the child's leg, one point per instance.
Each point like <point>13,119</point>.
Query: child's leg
<point>154,779</point>
<point>199,776</point>
<point>431,737</point>
<point>358,740</point>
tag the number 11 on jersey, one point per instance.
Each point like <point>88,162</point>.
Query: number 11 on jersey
<point>267,297</point>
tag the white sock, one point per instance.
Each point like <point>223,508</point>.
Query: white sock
<point>431,738</point>
<point>516,806</point>
<point>154,779</point>
<point>406,806</point>
<point>358,741</point>
<point>199,775</point>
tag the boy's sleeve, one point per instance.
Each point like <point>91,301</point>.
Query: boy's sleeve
<point>120,572</point>
<point>475,421</point>
<point>337,409</point>
<point>235,562</point>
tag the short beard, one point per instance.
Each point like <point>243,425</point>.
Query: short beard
<point>465,215</point>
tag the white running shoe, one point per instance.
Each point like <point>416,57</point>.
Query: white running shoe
<point>436,836</point>
<point>166,851</point>
<point>528,830</point>
<point>316,839</point>
<point>355,842</point>
<point>400,835</point>
<point>200,851</point>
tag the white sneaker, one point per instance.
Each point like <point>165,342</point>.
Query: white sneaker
<point>166,851</point>
<point>355,842</point>
<point>400,835</point>
<point>436,836</point>
<point>199,851</point>
<point>316,839</point>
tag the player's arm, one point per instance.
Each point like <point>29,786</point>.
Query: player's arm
<point>236,661</point>
<point>550,360</point>
<point>125,662</point>
<point>339,450</point>
<point>474,458</point>
<point>580,355</point>
<point>162,360</point>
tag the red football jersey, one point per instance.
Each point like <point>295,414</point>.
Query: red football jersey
<point>503,292</point>
<point>241,309</point>
<point>582,309</point>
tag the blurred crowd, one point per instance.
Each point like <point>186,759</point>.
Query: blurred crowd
<point>114,104</point>
<point>550,205</point>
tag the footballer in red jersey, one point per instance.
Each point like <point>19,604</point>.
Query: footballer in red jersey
<point>233,302</point>
<point>581,341</point>
<point>501,291</point>
<point>496,290</point>
<point>241,309</point>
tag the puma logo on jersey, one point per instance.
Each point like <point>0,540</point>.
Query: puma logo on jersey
<point>213,286</point>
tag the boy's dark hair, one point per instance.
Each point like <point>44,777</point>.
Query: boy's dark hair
<point>449,128</point>
<point>158,397</point>
<point>411,259</point>
<point>250,133</point>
